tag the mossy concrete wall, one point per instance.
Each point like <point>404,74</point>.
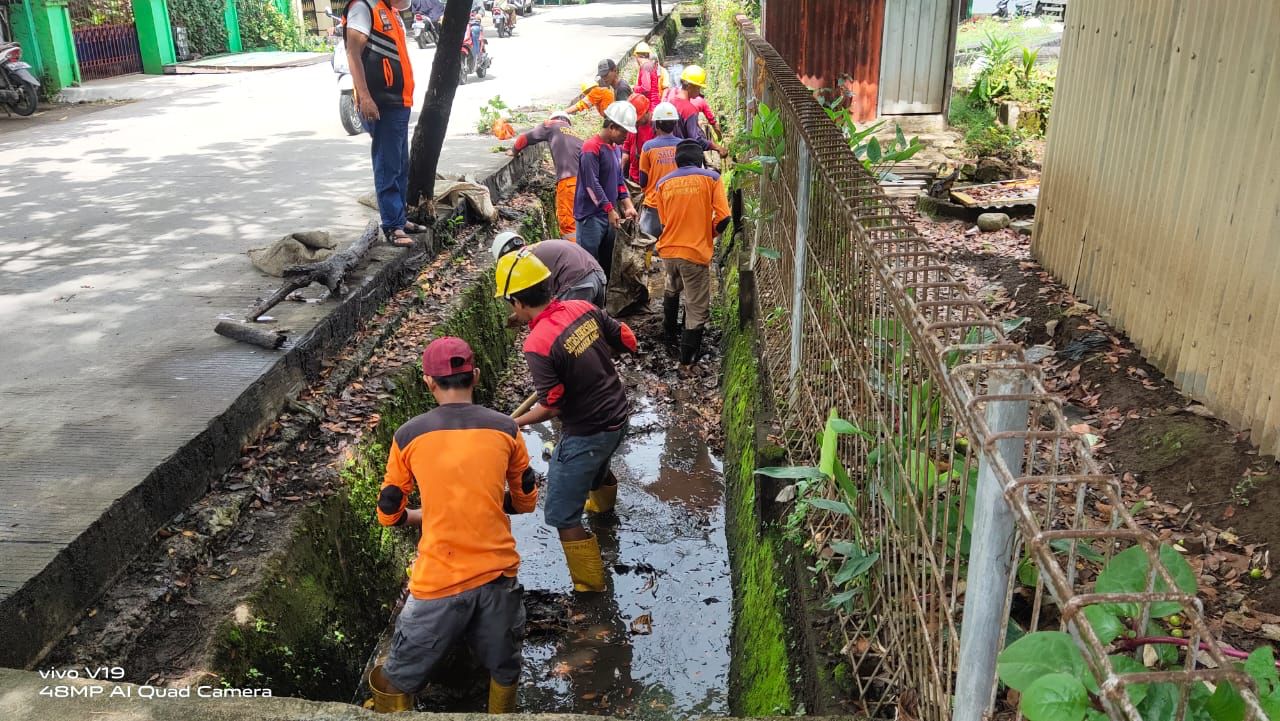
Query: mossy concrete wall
<point>330,591</point>
<point>760,671</point>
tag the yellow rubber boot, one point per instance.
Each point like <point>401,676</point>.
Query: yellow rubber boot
<point>585,566</point>
<point>387,699</point>
<point>602,499</point>
<point>502,699</point>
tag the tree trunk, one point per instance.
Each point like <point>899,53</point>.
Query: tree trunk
<point>433,122</point>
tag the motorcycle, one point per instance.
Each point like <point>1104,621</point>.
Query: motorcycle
<point>523,7</point>
<point>475,51</point>
<point>348,110</point>
<point>424,30</point>
<point>19,89</point>
<point>501,23</point>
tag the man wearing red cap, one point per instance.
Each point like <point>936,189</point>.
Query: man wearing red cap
<point>471,469</point>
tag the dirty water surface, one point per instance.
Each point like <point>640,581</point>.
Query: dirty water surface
<point>656,645</point>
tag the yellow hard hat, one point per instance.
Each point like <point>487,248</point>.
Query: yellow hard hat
<point>643,48</point>
<point>519,270</point>
<point>587,85</point>
<point>694,75</point>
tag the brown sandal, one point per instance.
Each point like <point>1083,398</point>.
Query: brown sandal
<point>401,239</point>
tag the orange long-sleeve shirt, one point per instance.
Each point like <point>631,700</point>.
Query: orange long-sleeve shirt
<point>597,97</point>
<point>691,202</point>
<point>471,468</point>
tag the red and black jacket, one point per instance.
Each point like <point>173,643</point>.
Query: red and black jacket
<point>570,353</point>
<point>387,70</point>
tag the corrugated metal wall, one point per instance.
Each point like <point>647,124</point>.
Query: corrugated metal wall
<point>1160,201</point>
<point>913,59</point>
<point>825,39</point>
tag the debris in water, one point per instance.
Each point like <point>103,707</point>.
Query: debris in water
<point>642,625</point>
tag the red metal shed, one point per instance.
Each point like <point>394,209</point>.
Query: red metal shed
<point>893,57</point>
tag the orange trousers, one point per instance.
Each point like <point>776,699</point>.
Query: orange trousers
<point>565,190</point>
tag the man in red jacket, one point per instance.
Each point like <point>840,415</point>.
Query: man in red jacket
<point>635,141</point>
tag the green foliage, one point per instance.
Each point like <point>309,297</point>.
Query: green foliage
<point>998,141</point>
<point>262,25</point>
<point>765,144</point>
<point>206,27</point>
<point>491,112</point>
<point>1049,670</point>
<point>875,156</point>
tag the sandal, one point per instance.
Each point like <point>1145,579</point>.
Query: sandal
<point>400,239</point>
<point>411,227</point>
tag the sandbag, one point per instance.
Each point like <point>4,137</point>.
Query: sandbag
<point>310,246</point>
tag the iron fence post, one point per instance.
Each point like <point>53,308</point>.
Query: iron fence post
<point>991,552</point>
<point>798,266</point>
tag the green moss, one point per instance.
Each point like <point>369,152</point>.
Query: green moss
<point>330,593</point>
<point>760,668</point>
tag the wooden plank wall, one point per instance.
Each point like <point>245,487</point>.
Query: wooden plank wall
<point>1160,201</point>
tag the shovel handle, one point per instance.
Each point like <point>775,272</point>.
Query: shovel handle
<point>526,405</point>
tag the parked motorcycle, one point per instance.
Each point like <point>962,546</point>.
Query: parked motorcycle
<point>524,7</point>
<point>19,89</point>
<point>424,30</point>
<point>475,51</point>
<point>348,110</point>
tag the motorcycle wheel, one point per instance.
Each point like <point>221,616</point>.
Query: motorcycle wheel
<point>349,113</point>
<point>462,75</point>
<point>422,40</point>
<point>480,71</point>
<point>30,99</point>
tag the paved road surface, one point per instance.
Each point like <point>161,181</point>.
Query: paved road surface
<point>122,239</point>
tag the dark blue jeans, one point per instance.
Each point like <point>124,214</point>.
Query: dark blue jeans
<point>595,235</point>
<point>390,164</point>
<point>579,464</point>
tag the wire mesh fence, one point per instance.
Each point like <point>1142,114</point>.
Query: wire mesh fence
<point>860,318</point>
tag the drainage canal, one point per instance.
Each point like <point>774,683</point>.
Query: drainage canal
<point>657,644</point>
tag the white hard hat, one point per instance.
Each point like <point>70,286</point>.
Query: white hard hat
<point>665,111</point>
<point>505,242</point>
<point>562,115</point>
<point>622,113</point>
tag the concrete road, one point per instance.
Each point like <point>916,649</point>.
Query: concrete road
<point>122,240</point>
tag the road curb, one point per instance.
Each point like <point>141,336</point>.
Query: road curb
<point>35,617</point>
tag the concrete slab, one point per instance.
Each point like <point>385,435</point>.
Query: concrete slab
<point>123,243</point>
<point>23,697</point>
<point>258,60</point>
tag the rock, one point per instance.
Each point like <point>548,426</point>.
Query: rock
<point>990,170</point>
<point>1023,226</point>
<point>988,222</point>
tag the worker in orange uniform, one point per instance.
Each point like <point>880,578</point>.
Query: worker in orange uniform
<point>566,150</point>
<point>607,89</point>
<point>635,141</point>
<point>693,209</point>
<point>657,159</point>
<point>570,349</point>
<point>471,469</point>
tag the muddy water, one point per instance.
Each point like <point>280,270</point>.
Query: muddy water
<point>656,646</point>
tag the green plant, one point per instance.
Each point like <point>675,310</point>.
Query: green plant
<point>494,110</point>
<point>204,23</point>
<point>263,25</point>
<point>854,560</point>
<point>998,141</point>
<point>1055,682</point>
<point>1028,63</point>
<point>765,144</point>
<point>875,156</point>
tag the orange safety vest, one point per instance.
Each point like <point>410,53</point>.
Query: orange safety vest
<point>387,70</point>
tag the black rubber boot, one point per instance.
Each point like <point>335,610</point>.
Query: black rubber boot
<point>690,346</point>
<point>670,319</point>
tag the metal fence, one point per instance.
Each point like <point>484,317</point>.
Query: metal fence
<point>106,38</point>
<point>964,464</point>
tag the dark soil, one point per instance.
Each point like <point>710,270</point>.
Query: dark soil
<point>1198,478</point>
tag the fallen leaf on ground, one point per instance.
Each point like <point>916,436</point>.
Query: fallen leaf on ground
<point>642,625</point>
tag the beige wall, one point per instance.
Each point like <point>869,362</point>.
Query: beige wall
<point>1160,201</point>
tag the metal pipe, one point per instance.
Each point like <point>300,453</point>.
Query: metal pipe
<point>798,267</point>
<point>991,552</point>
